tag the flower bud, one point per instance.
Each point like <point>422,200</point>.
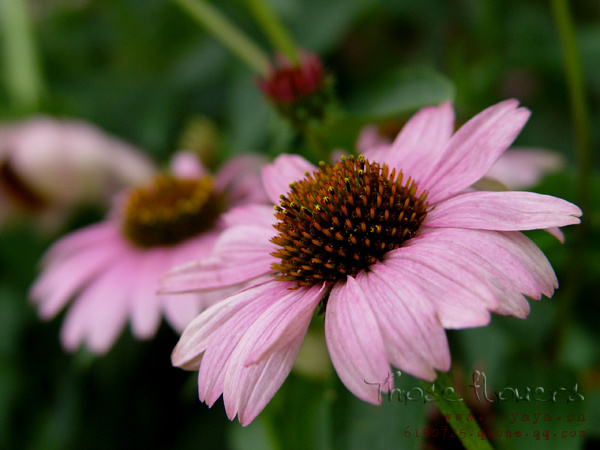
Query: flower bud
<point>299,92</point>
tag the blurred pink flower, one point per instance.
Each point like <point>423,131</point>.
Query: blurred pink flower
<point>522,168</point>
<point>389,245</point>
<point>111,269</point>
<point>48,166</point>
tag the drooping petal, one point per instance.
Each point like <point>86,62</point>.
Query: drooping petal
<point>265,354</point>
<point>100,312</point>
<point>505,211</point>
<point>459,298</point>
<point>144,305</point>
<point>81,239</point>
<point>193,341</point>
<point>54,288</point>
<point>421,142</point>
<point>557,233</point>
<point>225,341</point>
<point>286,169</point>
<point>258,215</point>
<point>355,342</point>
<point>284,320</point>
<point>473,149</point>
<point>511,303</point>
<point>507,258</point>
<point>180,309</point>
<point>414,338</point>
<point>241,254</point>
<point>259,382</point>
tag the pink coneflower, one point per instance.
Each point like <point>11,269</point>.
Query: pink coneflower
<point>112,268</point>
<point>389,245</point>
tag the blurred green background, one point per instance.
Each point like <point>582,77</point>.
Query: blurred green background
<point>142,69</point>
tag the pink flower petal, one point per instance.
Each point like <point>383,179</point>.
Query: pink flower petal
<point>355,343</point>
<point>421,142</point>
<point>265,353</point>
<point>473,149</point>
<point>193,342</point>
<point>557,233</point>
<point>254,386</point>
<point>369,140</point>
<point>180,309</point>
<point>506,211</point>
<point>54,288</point>
<point>100,312</point>
<point>80,239</point>
<point>241,254</point>
<point>414,338</point>
<point>144,303</point>
<point>455,298</point>
<point>508,259</point>
<point>187,165</point>
<point>240,178</point>
<point>284,320</point>
<point>228,337</point>
<point>520,168</point>
<point>259,215</point>
<point>286,169</point>
<point>512,303</point>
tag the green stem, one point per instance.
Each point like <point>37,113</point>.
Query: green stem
<point>274,29</point>
<point>21,70</point>
<point>579,108</point>
<point>581,124</point>
<point>228,34</point>
<point>469,432</point>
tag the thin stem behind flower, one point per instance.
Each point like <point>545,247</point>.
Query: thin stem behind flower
<point>274,29</point>
<point>22,70</point>
<point>581,123</point>
<point>229,35</point>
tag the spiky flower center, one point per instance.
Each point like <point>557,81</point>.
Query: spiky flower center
<point>170,210</point>
<point>342,218</point>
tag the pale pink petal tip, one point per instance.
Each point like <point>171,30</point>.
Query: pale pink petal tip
<point>521,168</point>
<point>503,211</point>
<point>557,233</point>
<point>284,170</point>
<point>185,164</point>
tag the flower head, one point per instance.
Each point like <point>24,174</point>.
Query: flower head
<point>48,167</point>
<point>112,268</point>
<point>393,246</point>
